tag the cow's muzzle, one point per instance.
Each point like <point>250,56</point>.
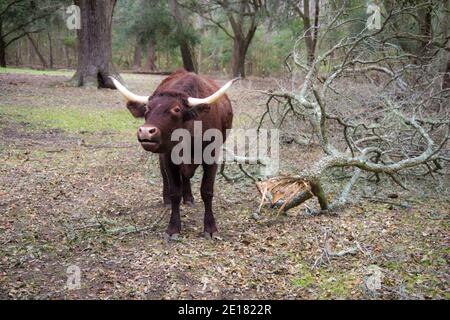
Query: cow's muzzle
<point>149,137</point>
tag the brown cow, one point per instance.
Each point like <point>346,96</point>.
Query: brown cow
<point>179,100</point>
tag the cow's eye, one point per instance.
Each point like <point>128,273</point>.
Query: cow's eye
<point>177,109</point>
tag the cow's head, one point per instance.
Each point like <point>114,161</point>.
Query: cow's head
<point>165,112</point>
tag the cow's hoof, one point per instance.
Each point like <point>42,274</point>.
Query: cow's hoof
<point>173,237</point>
<point>209,235</point>
<point>189,204</point>
<point>210,228</point>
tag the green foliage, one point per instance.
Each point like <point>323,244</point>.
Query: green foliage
<point>329,284</point>
<point>27,15</point>
<point>70,41</point>
<point>216,48</point>
<point>144,21</point>
<point>36,72</point>
<point>278,43</point>
<point>73,119</point>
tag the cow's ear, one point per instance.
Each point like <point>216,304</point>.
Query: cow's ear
<point>191,113</point>
<point>137,109</point>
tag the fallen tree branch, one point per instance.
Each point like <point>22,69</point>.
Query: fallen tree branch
<point>396,134</point>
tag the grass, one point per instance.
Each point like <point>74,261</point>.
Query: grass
<point>73,119</point>
<point>37,72</point>
<point>329,284</point>
<point>63,72</point>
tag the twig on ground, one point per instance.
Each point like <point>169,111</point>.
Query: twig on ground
<point>149,227</point>
<point>374,199</point>
<point>328,253</point>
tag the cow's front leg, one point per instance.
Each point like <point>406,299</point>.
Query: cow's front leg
<point>207,193</point>
<point>187,172</point>
<point>174,179</point>
<point>165,176</point>
<point>188,199</point>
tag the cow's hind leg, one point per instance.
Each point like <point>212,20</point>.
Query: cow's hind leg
<point>207,193</point>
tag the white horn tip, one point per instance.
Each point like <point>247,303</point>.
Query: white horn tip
<point>114,80</point>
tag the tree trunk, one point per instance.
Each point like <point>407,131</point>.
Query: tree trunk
<point>445,56</point>
<point>446,79</point>
<point>59,48</point>
<point>240,48</point>
<point>187,52</point>
<point>50,50</point>
<point>31,54</point>
<point>187,55</point>
<point>425,30</point>
<point>17,53</point>
<point>137,57</point>
<point>150,62</point>
<point>2,53</point>
<point>241,39</point>
<point>36,50</point>
<point>238,58</point>
<point>67,55</point>
<point>2,47</point>
<point>94,45</point>
<point>310,32</point>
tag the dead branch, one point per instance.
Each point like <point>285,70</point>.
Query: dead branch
<point>401,134</point>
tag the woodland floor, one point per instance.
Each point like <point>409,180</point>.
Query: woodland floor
<point>75,184</point>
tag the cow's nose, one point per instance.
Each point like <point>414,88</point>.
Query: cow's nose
<point>148,133</point>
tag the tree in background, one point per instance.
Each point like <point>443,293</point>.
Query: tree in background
<point>446,77</point>
<point>310,24</point>
<point>151,29</point>
<point>137,56</point>
<point>445,59</point>
<point>423,34</point>
<point>182,32</point>
<point>243,16</point>
<point>20,18</point>
<point>94,45</point>
<point>52,27</point>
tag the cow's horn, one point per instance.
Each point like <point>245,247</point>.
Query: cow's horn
<point>130,96</point>
<point>212,98</point>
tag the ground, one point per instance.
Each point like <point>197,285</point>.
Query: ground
<point>76,189</point>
